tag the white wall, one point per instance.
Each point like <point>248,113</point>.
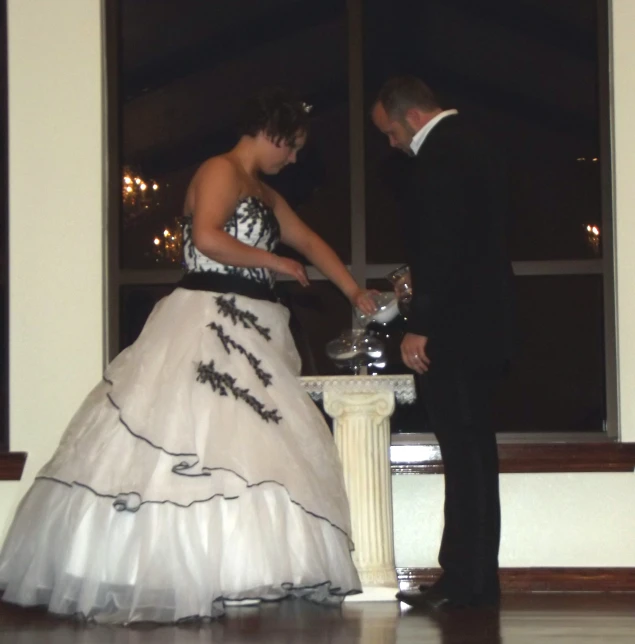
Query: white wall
<point>559,520</point>
<point>55,216</point>
<point>56,163</point>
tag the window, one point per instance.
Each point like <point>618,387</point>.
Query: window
<point>531,73</point>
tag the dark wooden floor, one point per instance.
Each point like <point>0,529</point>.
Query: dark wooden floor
<point>523,619</point>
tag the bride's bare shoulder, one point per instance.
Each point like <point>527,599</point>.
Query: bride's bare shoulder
<point>221,166</point>
<point>218,176</point>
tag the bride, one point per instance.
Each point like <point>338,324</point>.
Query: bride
<point>198,473</point>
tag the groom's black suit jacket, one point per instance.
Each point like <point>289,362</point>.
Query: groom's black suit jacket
<point>456,221</point>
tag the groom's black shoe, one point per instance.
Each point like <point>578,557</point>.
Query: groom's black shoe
<point>430,600</point>
<point>436,597</point>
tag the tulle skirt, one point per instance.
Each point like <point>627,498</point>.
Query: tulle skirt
<point>197,472</point>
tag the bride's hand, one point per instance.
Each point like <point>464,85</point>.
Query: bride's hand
<point>363,300</point>
<point>292,268</point>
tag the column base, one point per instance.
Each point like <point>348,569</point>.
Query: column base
<point>374,594</point>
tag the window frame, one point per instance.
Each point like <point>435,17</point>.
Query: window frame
<point>4,213</point>
<point>11,463</point>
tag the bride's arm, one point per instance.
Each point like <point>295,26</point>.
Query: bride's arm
<point>216,191</point>
<point>297,235</point>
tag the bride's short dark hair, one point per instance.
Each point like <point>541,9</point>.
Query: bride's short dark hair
<point>278,113</point>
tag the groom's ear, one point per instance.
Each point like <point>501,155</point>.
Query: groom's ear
<point>373,113</point>
<point>414,118</point>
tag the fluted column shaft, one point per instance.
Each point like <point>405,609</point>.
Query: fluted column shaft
<point>362,436</point>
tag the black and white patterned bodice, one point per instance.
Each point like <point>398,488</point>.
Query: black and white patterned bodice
<point>253,223</point>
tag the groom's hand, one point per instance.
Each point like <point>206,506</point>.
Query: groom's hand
<point>413,352</point>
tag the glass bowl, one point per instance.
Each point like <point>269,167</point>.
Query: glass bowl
<point>355,349</point>
<point>387,310</point>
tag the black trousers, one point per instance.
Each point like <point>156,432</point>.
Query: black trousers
<point>458,404</point>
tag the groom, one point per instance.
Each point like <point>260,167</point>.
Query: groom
<point>459,326</point>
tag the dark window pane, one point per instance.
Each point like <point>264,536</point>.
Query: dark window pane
<point>148,227</point>
<point>318,187</point>
<point>556,382</point>
<point>557,379</point>
<point>527,74</point>
<point>187,67</point>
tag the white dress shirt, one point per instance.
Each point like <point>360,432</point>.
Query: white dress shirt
<point>421,135</point>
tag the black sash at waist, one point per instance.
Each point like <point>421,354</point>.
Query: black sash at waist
<point>221,283</point>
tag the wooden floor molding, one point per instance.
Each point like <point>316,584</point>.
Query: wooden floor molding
<point>12,465</point>
<point>528,458</point>
<point>522,580</point>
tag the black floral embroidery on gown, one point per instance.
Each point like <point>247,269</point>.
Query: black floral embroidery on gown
<point>227,308</point>
<point>225,384</point>
<point>230,344</point>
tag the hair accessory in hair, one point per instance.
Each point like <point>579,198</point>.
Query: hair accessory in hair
<point>307,108</point>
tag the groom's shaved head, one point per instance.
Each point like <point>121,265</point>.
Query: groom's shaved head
<point>402,93</point>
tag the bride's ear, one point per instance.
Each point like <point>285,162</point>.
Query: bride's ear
<point>271,140</point>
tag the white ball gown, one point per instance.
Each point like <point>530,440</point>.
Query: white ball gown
<point>197,472</point>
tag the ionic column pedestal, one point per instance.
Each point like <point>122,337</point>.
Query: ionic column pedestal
<point>361,407</point>
<point>362,436</point>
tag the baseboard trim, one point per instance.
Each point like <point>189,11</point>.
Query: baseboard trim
<point>528,458</point>
<point>519,580</point>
